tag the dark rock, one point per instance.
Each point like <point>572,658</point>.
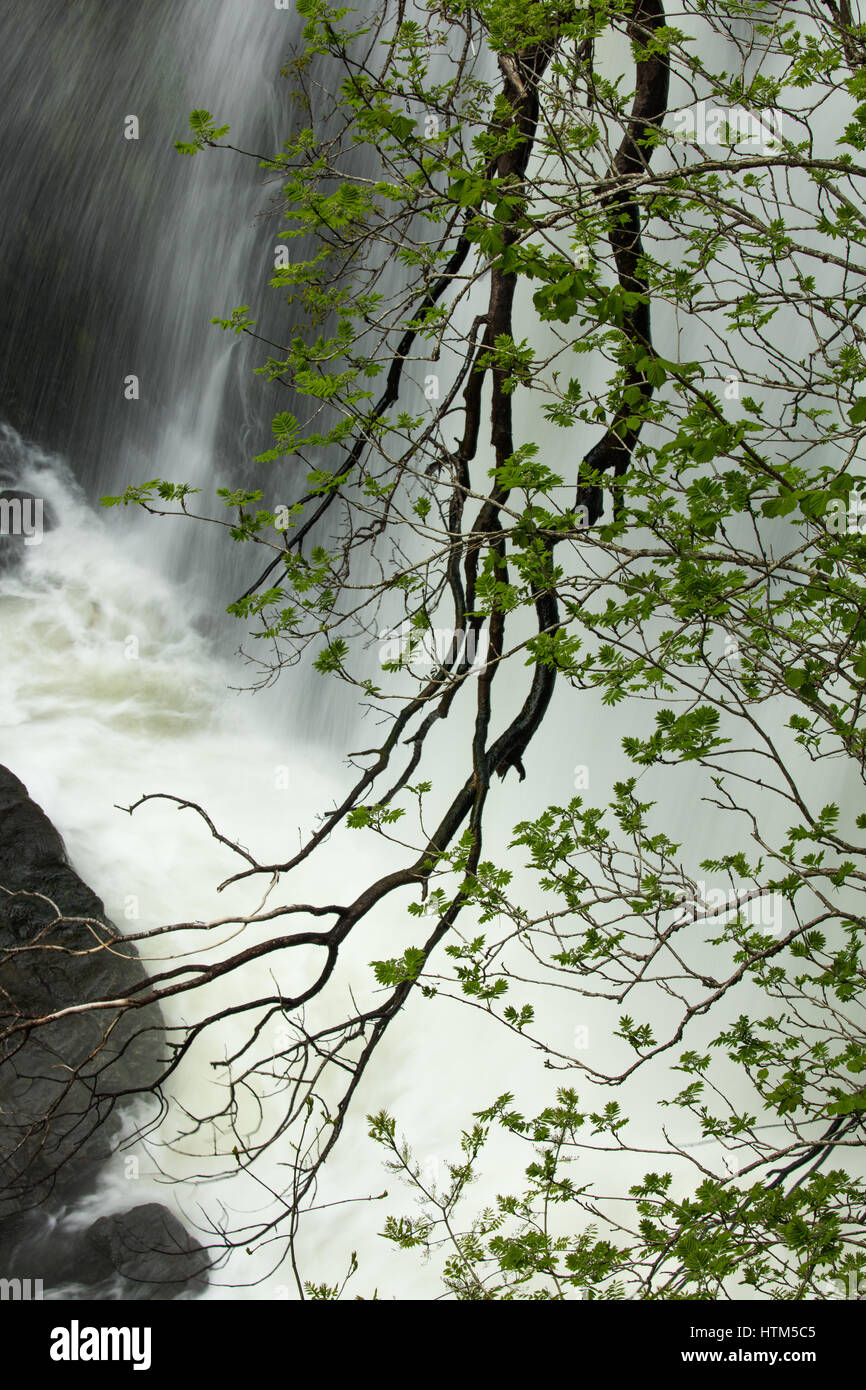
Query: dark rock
<point>151,1252</point>
<point>58,1084</point>
<point>62,1086</point>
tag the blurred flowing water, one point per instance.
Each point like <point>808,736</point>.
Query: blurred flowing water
<point>118,674</point>
<point>116,253</point>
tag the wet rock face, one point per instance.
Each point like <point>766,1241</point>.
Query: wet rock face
<point>57,1085</point>
<point>151,1252</point>
<point>61,1085</point>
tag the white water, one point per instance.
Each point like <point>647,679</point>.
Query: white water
<point>109,691</point>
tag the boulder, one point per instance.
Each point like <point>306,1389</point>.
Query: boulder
<point>149,1250</point>
<point>63,1085</point>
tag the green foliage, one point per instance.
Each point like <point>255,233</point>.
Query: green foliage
<point>434,446</point>
<point>145,494</point>
<point>204,133</point>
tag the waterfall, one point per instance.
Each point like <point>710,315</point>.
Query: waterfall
<point>117,251</point>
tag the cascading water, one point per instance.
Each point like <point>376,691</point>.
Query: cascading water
<point>116,253</point>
